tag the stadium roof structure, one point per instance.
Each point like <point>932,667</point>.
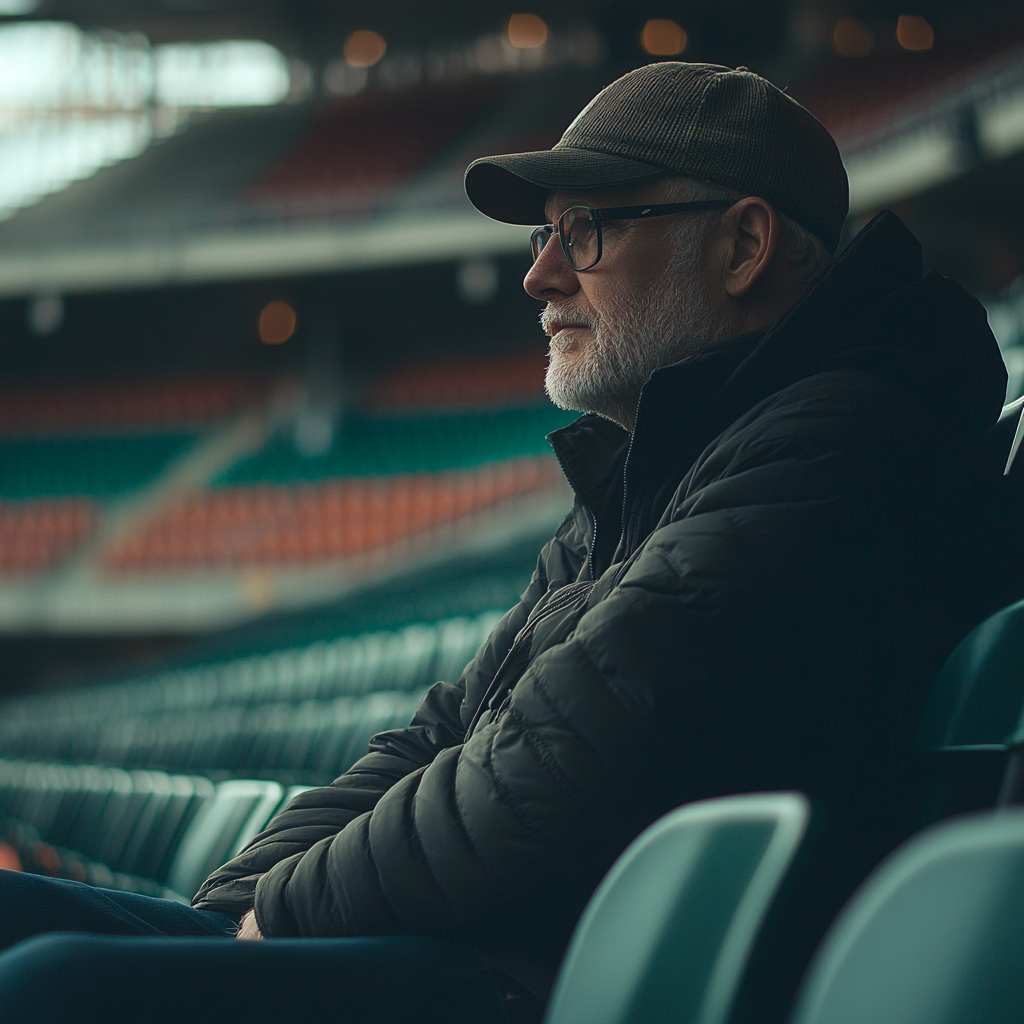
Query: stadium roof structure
<point>360,168</point>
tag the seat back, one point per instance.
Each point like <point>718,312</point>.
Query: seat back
<point>935,935</point>
<point>977,702</point>
<point>226,823</point>
<point>1007,434</point>
<point>667,934</point>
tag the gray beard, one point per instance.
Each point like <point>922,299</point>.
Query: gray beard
<point>673,320</point>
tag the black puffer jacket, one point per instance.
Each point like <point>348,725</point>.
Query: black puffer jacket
<point>752,594</point>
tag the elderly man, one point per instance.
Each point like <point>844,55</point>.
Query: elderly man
<point>758,577</point>
<point>747,592</point>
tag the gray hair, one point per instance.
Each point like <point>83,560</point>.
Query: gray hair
<point>804,251</point>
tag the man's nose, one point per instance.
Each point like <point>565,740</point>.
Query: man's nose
<point>552,274</point>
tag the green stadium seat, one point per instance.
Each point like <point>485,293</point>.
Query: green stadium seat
<point>306,709</point>
<point>226,823</point>
<point>128,824</point>
<point>935,935</point>
<point>977,703</point>
<point>667,934</point>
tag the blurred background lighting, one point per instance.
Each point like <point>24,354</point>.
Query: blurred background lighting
<point>235,73</point>
<point>277,323</point>
<point>527,31</point>
<point>914,33</point>
<point>45,314</point>
<point>364,48</point>
<point>72,102</point>
<point>663,38</point>
<point>16,8</point>
<point>477,281</point>
<point>852,38</point>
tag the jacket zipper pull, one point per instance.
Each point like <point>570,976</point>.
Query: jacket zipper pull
<point>502,708</point>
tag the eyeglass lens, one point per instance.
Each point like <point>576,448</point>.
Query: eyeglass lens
<point>578,232</point>
<point>579,235</point>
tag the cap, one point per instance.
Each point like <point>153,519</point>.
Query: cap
<point>731,128</point>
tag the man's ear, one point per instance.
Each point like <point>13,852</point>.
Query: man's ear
<point>752,236</point>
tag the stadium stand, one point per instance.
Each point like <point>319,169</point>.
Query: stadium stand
<point>359,149</point>
<point>445,441</point>
<point>853,98</point>
<point>102,784</point>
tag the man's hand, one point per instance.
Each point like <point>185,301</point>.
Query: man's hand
<point>248,928</point>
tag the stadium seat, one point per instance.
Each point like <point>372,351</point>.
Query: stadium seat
<point>667,934</point>
<point>977,703</point>
<point>115,828</point>
<point>935,936</point>
<point>1003,440</point>
<point>238,811</point>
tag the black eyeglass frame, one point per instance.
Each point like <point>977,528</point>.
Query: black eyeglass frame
<point>615,213</point>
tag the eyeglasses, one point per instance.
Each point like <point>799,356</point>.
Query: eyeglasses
<point>579,227</point>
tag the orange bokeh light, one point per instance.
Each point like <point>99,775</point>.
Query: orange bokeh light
<point>852,38</point>
<point>364,48</point>
<point>277,323</point>
<point>914,33</point>
<point>526,31</point>
<point>663,38</point>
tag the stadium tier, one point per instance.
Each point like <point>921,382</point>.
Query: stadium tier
<point>363,147</point>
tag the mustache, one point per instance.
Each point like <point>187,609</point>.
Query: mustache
<point>554,317</point>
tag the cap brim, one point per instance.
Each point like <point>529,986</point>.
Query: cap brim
<point>515,187</point>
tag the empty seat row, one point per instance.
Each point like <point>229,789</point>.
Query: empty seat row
<point>130,821</point>
<point>124,829</point>
<point>339,519</point>
<point>98,465</point>
<point>314,739</point>
<point>400,660</point>
<point>119,404</point>
<point>383,446</point>
<point>505,380</point>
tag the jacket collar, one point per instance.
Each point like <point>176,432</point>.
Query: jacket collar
<point>869,310</point>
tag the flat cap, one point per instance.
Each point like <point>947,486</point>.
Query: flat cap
<point>731,128</point>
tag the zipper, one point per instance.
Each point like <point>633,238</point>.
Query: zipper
<point>563,598</point>
<point>625,466</point>
<point>591,518</point>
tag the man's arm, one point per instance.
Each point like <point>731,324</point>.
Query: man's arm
<point>440,722</point>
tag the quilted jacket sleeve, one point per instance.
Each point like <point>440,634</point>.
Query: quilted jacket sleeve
<point>683,659</point>
<point>440,722</point>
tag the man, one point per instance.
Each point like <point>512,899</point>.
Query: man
<point>758,578</point>
<point>757,581</point>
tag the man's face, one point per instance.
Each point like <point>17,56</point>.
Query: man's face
<point>644,305</point>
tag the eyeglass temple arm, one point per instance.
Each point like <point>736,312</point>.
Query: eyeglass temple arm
<point>658,210</point>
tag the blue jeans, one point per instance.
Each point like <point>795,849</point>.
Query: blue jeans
<point>155,961</point>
